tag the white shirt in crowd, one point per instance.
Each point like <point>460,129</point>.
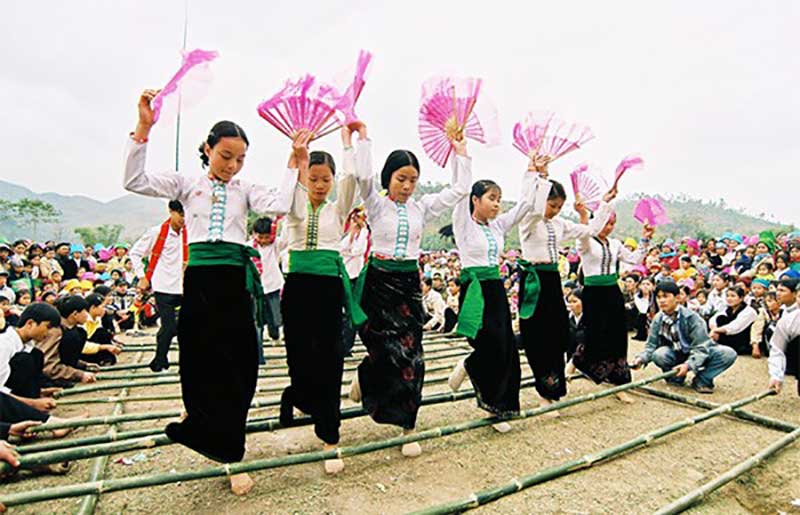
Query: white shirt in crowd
<point>397,228</point>
<point>10,344</point>
<point>434,306</point>
<point>786,330</point>
<point>481,244</point>
<point>717,299</point>
<point>197,194</point>
<point>353,250</point>
<point>271,276</point>
<point>168,274</point>
<point>743,320</point>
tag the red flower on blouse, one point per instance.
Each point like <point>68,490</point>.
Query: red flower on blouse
<point>407,341</point>
<point>404,310</point>
<point>408,374</point>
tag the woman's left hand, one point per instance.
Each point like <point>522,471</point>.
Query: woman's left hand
<point>648,231</point>
<point>460,146</point>
<point>610,195</point>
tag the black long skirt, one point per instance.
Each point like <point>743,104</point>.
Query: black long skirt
<point>493,366</point>
<point>218,361</point>
<point>312,323</point>
<point>392,374</point>
<point>604,355</point>
<point>545,336</point>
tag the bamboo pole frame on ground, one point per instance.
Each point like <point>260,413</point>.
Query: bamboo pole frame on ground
<point>699,494</point>
<point>488,495</point>
<point>133,482</point>
<point>763,420</point>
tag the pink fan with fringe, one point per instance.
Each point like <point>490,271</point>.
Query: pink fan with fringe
<point>347,101</point>
<point>529,134</point>
<point>303,104</point>
<point>188,85</point>
<point>650,211</point>
<point>450,110</point>
<point>631,162</point>
<point>544,134</point>
<point>588,186</point>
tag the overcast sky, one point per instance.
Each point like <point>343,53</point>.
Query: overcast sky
<point>705,91</point>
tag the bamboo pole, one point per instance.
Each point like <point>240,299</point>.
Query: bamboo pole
<point>89,502</point>
<point>142,481</point>
<point>488,495</point>
<point>92,440</point>
<point>699,494</point>
<point>763,420</point>
<point>77,390</point>
<point>158,439</point>
<point>432,356</point>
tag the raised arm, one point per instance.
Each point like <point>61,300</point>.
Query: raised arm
<point>366,179</point>
<point>278,202</point>
<point>533,199</point>
<point>434,204</point>
<point>168,185</point>
<point>347,181</point>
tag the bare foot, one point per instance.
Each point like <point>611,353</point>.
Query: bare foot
<point>457,376</point>
<point>412,449</point>
<point>241,484</point>
<point>333,466</point>
<point>625,398</point>
<point>502,427</point>
<point>569,370</point>
<point>550,414</point>
<point>355,389</point>
<point>61,433</point>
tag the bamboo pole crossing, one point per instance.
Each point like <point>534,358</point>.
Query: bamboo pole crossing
<point>489,495</point>
<point>142,481</point>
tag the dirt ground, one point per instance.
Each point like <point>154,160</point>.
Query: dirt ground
<point>453,467</point>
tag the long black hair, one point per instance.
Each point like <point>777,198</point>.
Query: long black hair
<point>223,129</point>
<point>480,188</point>
<point>396,160</point>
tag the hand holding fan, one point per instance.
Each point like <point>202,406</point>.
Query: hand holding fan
<point>588,186</point>
<point>632,162</point>
<point>448,113</point>
<point>190,83</point>
<point>650,211</point>
<point>302,104</point>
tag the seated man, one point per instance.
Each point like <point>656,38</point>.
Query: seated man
<point>678,340</point>
<point>787,332</point>
<point>20,362</point>
<point>63,345</point>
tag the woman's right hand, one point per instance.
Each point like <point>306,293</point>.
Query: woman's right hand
<point>145,107</point>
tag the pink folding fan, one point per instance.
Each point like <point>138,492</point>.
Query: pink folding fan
<point>589,187</point>
<point>448,111</point>
<point>544,134</point>
<point>305,103</point>
<point>187,87</point>
<point>352,91</point>
<point>632,162</point>
<point>650,211</point>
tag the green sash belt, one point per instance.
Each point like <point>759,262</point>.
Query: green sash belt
<point>232,254</point>
<point>533,287</point>
<point>386,265</point>
<point>601,280</point>
<point>470,316</point>
<point>328,263</point>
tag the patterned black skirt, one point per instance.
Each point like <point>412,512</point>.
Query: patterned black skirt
<point>392,374</point>
<point>604,355</point>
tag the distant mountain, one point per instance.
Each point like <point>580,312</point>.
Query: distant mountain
<point>134,212</point>
<point>689,217</point>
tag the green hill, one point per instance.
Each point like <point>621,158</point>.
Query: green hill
<point>689,217</point>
